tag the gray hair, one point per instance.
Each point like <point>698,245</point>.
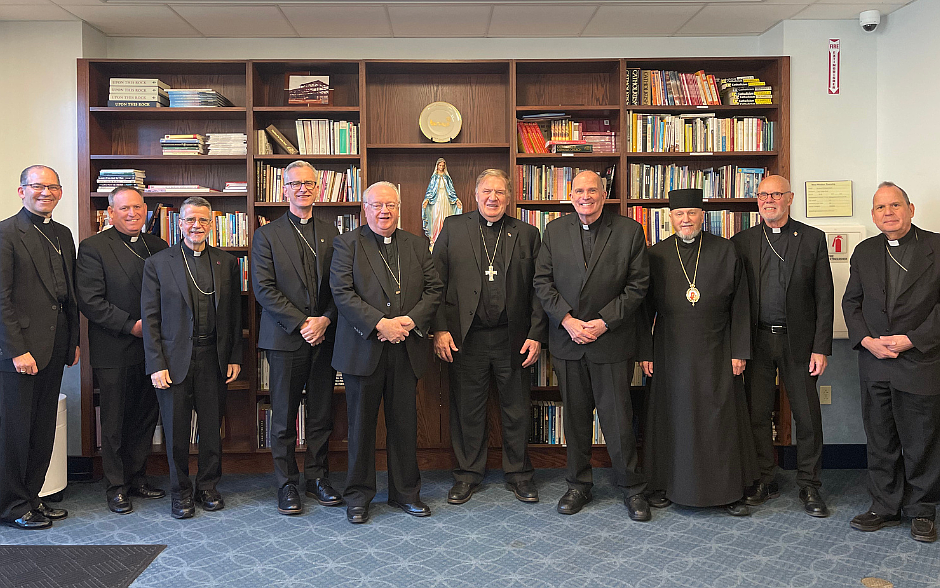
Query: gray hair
<point>113,194</point>
<point>197,201</point>
<point>300,164</point>
<point>900,189</point>
<point>24,175</point>
<point>494,173</point>
<point>368,192</point>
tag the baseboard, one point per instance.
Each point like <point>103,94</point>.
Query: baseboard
<point>840,456</point>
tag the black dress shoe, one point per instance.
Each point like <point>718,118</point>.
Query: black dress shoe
<point>210,499</point>
<point>120,504</point>
<point>182,508</point>
<point>813,503</point>
<point>658,499</point>
<point>760,492</point>
<point>288,500</point>
<point>357,514</point>
<point>638,508</point>
<point>738,508</point>
<point>524,490</point>
<point>923,529</point>
<point>146,491</point>
<point>321,490</point>
<point>461,492</point>
<point>872,521</point>
<point>53,514</point>
<point>415,509</point>
<point>573,501</point>
<point>32,520</point>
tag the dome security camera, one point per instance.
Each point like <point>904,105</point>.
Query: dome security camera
<point>869,20</point>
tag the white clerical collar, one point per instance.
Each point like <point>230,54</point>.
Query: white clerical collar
<point>197,253</point>
<point>688,241</point>
<point>586,227</point>
<point>46,220</point>
<point>304,221</point>
<point>775,230</point>
<point>134,238</point>
<point>386,240</point>
<point>489,223</point>
<point>894,243</point>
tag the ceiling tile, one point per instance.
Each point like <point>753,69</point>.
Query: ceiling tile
<point>738,19</point>
<point>439,20</point>
<point>639,21</point>
<point>335,20</point>
<point>875,3</point>
<point>841,11</point>
<point>34,12</point>
<point>26,2</point>
<point>134,21</point>
<point>540,20</point>
<point>215,20</point>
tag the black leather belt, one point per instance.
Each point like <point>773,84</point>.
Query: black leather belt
<point>775,329</point>
<point>203,341</point>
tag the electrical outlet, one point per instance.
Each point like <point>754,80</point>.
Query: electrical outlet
<point>825,395</point>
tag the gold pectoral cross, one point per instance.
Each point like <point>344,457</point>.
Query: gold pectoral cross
<point>491,272</point>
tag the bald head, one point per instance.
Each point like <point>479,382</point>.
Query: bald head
<point>587,196</point>
<point>774,198</point>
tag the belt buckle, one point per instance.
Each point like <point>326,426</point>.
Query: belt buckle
<point>777,329</point>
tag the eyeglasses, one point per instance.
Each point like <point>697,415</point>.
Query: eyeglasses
<point>44,187</point>
<point>309,184</point>
<point>487,192</point>
<point>378,206</point>
<point>772,195</point>
<point>191,220</point>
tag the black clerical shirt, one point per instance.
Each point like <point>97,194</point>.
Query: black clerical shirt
<point>389,252</point>
<point>307,244</point>
<point>491,310</point>
<point>895,257</point>
<point>53,247</point>
<point>138,246</point>
<point>588,237</point>
<point>773,275</point>
<point>200,270</point>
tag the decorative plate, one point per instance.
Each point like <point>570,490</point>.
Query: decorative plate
<point>440,122</point>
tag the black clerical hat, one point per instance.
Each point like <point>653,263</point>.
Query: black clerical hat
<point>685,198</point>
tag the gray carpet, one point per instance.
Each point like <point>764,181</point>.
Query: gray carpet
<point>496,541</point>
<point>74,566</point>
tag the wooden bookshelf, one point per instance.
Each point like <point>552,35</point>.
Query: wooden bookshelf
<point>385,98</point>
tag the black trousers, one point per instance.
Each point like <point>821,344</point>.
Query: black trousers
<point>129,413</point>
<point>903,432</point>
<point>586,385</point>
<point>292,372</point>
<point>394,382</point>
<point>485,353</point>
<point>772,352</point>
<point>28,409</point>
<point>204,390</point>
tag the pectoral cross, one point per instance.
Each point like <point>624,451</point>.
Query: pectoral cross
<point>490,272</point>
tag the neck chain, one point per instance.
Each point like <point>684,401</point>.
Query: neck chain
<point>131,249</point>
<point>190,272</point>
<point>396,277</point>
<point>888,249</point>
<point>57,249</point>
<point>772,248</point>
<point>692,294</point>
<point>304,238</point>
<point>491,272</point>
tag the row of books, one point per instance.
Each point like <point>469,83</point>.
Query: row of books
<point>724,223</point>
<point>538,218</point>
<point>551,182</point>
<point>315,136</point>
<point>243,272</point>
<point>264,372</point>
<point>226,230</point>
<point>655,181</point>
<point>264,423</point>
<point>564,135</point>
<point>333,186</point>
<point>645,87</point>
<point>548,424</point>
<point>138,92</point>
<point>697,133</point>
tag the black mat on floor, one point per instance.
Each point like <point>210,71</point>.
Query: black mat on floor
<point>74,566</point>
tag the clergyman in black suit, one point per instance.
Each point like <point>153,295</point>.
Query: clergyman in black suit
<point>789,279</point>
<point>386,291</point>
<point>38,338</point>
<point>290,260</point>
<point>490,324</point>
<point>108,277</point>
<point>892,309</point>
<point>192,322</point>
<point>591,277</point>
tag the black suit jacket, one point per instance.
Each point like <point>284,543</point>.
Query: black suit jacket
<point>362,290</point>
<point>28,304</point>
<point>457,257</point>
<point>916,313</point>
<point>167,311</point>
<point>809,302</point>
<point>279,282</point>
<point>611,288</point>
<point>108,278</point>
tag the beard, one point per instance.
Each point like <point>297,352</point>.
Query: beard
<point>689,235</point>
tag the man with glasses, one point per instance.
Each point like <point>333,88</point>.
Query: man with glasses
<point>192,325</point>
<point>492,326</point>
<point>387,291</point>
<point>290,260</point>
<point>38,338</point>
<point>789,280</point>
<point>109,273</point>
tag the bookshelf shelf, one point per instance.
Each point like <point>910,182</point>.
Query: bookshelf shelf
<point>704,154</point>
<point>307,157</point>
<point>168,158</point>
<point>307,111</point>
<point>561,157</point>
<point>537,203</point>
<point>315,204</point>
<point>439,146</point>
<point>194,113</point>
<point>723,109</point>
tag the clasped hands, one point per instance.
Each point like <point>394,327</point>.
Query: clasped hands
<point>887,346</point>
<point>394,330</point>
<point>314,328</point>
<point>582,332</point>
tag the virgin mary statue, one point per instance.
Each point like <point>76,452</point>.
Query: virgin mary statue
<point>440,201</point>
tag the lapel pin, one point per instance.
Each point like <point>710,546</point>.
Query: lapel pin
<point>794,233</point>
<point>509,234</point>
<point>321,240</point>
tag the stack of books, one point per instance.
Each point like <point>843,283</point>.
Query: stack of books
<point>194,188</point>
<point>183,144</point>
<point>745,90</point>
<point>235,187</point>
<point>109,179</point>
<point>196,97</point>
<point>227,143</point>
<point>138,92</point>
